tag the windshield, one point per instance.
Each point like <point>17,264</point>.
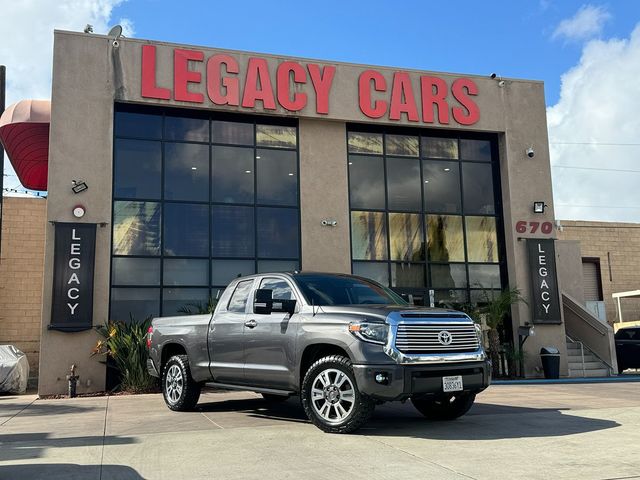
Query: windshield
<point>335,290</point>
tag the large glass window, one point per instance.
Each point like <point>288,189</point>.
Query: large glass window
<point>424,214</point>
<point>199,199</point>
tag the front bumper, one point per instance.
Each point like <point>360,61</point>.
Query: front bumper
<point>403,381</point>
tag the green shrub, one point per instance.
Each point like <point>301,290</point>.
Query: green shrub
<point>126,344</point>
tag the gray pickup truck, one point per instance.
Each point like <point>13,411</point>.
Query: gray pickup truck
<point>340,342</point>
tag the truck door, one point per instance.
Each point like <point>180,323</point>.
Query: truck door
<point>226,336</point>
<point>269,345</point>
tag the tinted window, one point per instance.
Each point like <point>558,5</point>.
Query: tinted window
<point>440,148</point>
<point>403,184</point>
<point>477,183</point>
<point>275,136</point>
<point>336,290</point>
<point>376,271</point>
<point>405,237</point>
<point>139,303</point>
<point>137,169</point>
<point>475,150</point>
<point>186,172</point>
<point>135,271</point>
<point>368,236</point>
<point>186,129</point>
<point>273,266</point>
<point>482,239</point>
<point>277,177</point>
<point>233,133</point>
<point>441,184</point>
<point>366,182</point>
<point>186,230</point>
<point>407,275</point>
<point>449,276</point>
<point>136,228</point>
<point>238,302</point>
<point>178,301</point>
<point>277,232</point>
<point>279,288</point>
<point>138,125</point>
<point>403,145</point>
<point>232,176</point>
<point>224,271</point>
<point>446,238</point>
<point>232,231</point>
<point>182,271</point>
<point>365,142</point>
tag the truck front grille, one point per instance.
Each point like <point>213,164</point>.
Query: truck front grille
<point>436,338</point>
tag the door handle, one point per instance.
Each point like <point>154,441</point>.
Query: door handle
<point>251,324</point>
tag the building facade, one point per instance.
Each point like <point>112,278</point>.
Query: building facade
<point>173,169</point>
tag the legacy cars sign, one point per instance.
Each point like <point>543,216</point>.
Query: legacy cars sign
<point>544,282</point>
<point>248,85</point>
<point>74,256</point>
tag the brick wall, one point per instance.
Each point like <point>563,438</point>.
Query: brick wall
<point>21,272</point>
<point>619,242</point>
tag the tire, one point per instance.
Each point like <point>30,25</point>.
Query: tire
<point>621,368</point>
<point>271,398</point>
<point>180,391</point>
<point>330,396</point>
<point>444,408</point>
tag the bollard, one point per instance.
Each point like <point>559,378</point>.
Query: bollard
<point>73,381</point>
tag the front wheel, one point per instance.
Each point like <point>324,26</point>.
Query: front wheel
<point>180,391</point>
<point>330,396</point>
<point>445,408</point>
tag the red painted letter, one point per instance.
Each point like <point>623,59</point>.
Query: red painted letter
<point>402,98</point>
<point>283,86</point>
<point>470,114</point>
<point>182,76</point>
<point>379,107</point>
<point>434,92</point>
<point>258,72</point>
<point>149,88</point>
<point>322,84</point>
<point>215,81</point>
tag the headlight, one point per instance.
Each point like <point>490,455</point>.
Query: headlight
<point>479,334</point>
<point>370,332</point>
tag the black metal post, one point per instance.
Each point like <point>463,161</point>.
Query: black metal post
<point>3,73</point>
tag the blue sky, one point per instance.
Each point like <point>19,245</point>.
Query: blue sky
<point>586,52</point>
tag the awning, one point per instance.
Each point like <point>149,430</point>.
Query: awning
<point>24,132</point>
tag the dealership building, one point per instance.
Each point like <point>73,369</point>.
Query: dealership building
<point>172,169</point>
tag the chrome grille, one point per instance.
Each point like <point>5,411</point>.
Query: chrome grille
<point>424,338</point>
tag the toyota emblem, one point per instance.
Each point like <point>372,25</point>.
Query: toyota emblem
<point>445,338</point>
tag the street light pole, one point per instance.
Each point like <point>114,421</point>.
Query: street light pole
<point>3,74</point>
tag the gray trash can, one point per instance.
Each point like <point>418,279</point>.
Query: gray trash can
<point>550,357</point>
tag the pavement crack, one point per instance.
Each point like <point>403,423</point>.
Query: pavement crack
<point>216,424</point>
<point>18,413</point>
<point>420,459</point>
<point>104,435</point>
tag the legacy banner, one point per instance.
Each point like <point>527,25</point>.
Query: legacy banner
<point>544,281</point>
<point>73,262</point>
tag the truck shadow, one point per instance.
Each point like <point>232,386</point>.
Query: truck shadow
<point>68,471</point>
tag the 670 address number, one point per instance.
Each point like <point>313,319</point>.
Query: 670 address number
<point>533,227</point>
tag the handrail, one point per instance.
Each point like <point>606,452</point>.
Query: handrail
<point>595,324</point>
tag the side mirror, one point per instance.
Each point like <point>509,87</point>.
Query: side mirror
<point>263,301</point>
<point>285,306</point>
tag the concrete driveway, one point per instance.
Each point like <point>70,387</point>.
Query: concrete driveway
<point>577,431</point>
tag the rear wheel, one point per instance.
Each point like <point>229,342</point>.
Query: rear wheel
<point>331,398</point>
<point>180,391</point>
<point>444,408</point>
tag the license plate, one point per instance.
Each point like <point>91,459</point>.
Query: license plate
<point>452,384</point>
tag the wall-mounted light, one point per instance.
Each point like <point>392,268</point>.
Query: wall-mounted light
<point>328,222</point>
<point>538,207</point>
<point>78,186</point>
<point>498,78</point>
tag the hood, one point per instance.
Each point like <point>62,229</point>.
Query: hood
<point>382,311</point>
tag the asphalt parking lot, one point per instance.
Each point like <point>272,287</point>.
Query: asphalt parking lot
<point>572,431</point>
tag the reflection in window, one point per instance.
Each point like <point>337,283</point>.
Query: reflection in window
<point>482,240</point>
<point>277,232</point>
<point>366,182</point>
<point>440,148</point>
<point>475,150</point>
<point>368,236</point>
<point>275,136</point>
<point>186,171</point>
<point>186,129</point>
<point>137,169</point>
<point>374,270</point>
<point>405,236</point>
<point>186,230</point>
<point>232,231</point>
<point>403,184</point>
<point>139,303</point>
<point>477,189</point>
<point>223,271</point>
<point>232,175</point>
<point>138,125</point>
<point>401,145</point>
<point>445,238</point>
<point>232,133</point>
<point>451,298</point>
<point>484,276</point>
<point>407,275</point>
<point>267,266</point>
<point>277,177</point>
<point>280,290</point>
<point>136,228</point>
<point>365,143</point>
<point>441,186</point>
<point>135,271</point>
<point>480,297</point>
<point>182,271</point>
<point>452,275</point>
<point>176,300</point>
<point>238,302</point>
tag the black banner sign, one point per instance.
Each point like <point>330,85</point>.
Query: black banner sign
<point>544,281</point>
<point>73,262</point>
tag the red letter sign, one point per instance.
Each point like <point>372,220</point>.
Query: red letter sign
<point>182,76</point>
<point>472,113</point>
<point>215,81</point>
<point>434,92</point>
<point>149,88</point>
<point>379,107</point>
<point>402,99</point>
<point>322,84</point>
<point>283,86</point>
<point>258,72</point>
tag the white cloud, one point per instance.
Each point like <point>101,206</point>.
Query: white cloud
<point>27,42</point>
<point>586,23</point>
<point>599,104</point>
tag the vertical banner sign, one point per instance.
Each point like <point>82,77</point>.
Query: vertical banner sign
<point>544,281</point>
<point>73,262</point>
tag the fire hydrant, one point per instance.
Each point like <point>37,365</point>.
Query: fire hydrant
<point>73,381</point>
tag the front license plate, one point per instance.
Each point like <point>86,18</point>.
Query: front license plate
<point>452,384</point>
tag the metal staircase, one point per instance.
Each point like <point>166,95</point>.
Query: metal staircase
<point>583,363</point>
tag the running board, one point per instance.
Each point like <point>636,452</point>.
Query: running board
<point>228,386</point>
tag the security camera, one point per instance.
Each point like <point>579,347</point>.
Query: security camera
<point>530,152</point>
<point>115,44</point>
<point>324,223</point>
<point>493,76</point>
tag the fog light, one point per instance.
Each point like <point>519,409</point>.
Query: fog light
<point>382,378</point>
